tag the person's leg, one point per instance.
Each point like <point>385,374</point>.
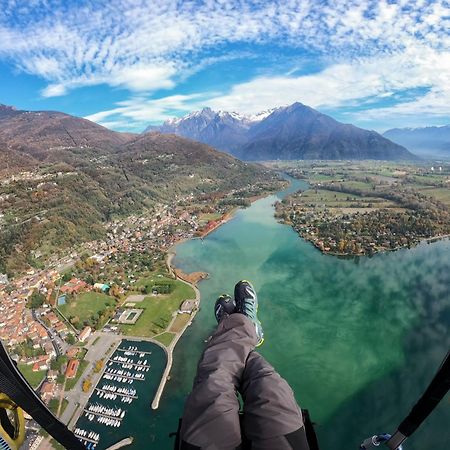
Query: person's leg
<point>210,419</point>
<point>272,418</point>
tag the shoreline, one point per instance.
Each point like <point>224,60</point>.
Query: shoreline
<point>377,252</point>
<point>169,350</point>
<point>170,255</point>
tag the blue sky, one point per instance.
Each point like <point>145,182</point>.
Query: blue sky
<point>129,63</point>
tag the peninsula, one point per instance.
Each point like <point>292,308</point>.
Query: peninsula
<point>361,208</point>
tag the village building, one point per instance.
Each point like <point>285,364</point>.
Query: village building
<point>188,306</point>
<point>74,286</point>
<point>72,368</point>
<point>72,352</point>
<point>48,390</point>
<point>85,333</point>
<point>101,287</point>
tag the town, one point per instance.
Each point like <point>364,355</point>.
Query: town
<point>52,316</point>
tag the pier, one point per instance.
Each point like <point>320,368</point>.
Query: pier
<point>86,439</point>
<point>123,376</point>
<point>116,393</point>
<point>128,364</point>
<point>121,369</point>
<point>134,352</point>
<point>101,414</point>
<point>122,443</point>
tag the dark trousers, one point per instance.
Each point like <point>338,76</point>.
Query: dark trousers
<point>271,417</point>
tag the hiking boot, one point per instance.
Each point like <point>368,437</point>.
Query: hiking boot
<point>247,304</point>
<point>224,306</point>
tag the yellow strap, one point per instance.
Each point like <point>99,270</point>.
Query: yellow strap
<point>17,421</point>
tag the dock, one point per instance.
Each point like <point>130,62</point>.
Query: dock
<point>123,376</point>
<point>86,439</point>
<point>134,352</point>
<point>122,443</point>
<point>128,364</point>
<point>116,393</point>
<point>101,414</point>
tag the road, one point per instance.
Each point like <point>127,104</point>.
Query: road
<point>103,347</point>
<point>59,344</point>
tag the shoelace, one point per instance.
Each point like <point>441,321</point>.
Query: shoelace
<point>249,308</point>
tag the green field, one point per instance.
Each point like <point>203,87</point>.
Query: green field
<point>158,309</point>
<point>180,322</point>
<point>53,405</point>
<point>34,378</point>
<point>441,194</point>
<point>165,338</point>
<point>209,216</point>
<point>91,308</point>
<point>334,199</point>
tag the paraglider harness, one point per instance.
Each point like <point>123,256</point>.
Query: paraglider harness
<point>16,396</point>
<point>434,393</point>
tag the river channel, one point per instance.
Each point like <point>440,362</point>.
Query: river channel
<point>357,339</point>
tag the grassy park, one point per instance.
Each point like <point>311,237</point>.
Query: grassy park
<point>90,308</point>
<point>165,338</point>
<point>180,322</point>
<point>34,378</point>
<point>158,309</point>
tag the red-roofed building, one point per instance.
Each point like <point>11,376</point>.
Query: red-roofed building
<point>72,352</point>
<point>72,368</point>
<point>74,286</point>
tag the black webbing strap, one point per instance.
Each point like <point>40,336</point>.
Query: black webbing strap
<point>310,431</point>
<point>14,385</point>
<point>435,392</point>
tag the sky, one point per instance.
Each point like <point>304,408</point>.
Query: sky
<point>129,63</point>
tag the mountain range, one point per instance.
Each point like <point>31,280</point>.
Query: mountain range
<point>428,141</point>
<point>293,132</point>
<point>63,176</point>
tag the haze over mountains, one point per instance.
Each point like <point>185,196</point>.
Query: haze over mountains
<point>428,141</point>
<point>293,132</point>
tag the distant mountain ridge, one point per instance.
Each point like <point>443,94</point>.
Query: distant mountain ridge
<point>292,132</point>
<point>223,130</point>
<point>425,140</point>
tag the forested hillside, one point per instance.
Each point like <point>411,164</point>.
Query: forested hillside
<point>65,177</point>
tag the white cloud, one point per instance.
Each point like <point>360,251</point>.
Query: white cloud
<point>139,112</point>
<point>347,83</point>
<point>371,49</point>
<point>54,90</point>
<point>142,77</point>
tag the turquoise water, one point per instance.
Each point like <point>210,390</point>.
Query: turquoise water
<point>357,339</point>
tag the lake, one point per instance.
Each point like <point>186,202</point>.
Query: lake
<point>357,339</point>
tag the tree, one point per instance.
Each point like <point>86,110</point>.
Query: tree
<point>66,277</point>
<point>86,386</point>
<point>70,339</point>
<point>99,366</point>
<point>58,362</point>
<point>36,300</point>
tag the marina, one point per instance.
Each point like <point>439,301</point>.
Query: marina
<point>130,378</point>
